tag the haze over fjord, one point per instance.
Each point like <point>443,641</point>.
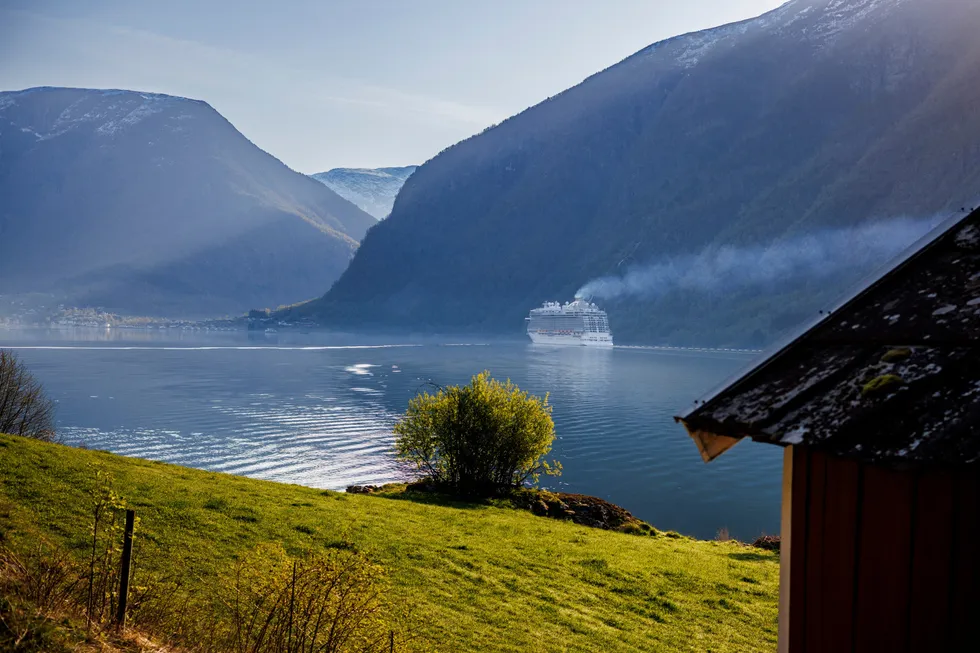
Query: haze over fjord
<point>342,84</point>
<point>816,118</point>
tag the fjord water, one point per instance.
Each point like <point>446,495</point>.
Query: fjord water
<point>318,409</point>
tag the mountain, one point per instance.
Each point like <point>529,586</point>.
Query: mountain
<point>373,190</point>
<point>819,114</point>
<point>156,205</point>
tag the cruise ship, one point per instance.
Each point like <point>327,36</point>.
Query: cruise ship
<point>572,323</point>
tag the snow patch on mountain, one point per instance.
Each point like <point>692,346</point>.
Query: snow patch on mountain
<point>371,189</point>
<point>144,110</point>
<point>820,21</point>
<point>111,111</point>
<point>841,15</point>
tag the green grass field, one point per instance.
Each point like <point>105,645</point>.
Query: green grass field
<point>476,577</point>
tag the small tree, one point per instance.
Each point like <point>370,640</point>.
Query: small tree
<point>478,438</point>
<point>24,408</point>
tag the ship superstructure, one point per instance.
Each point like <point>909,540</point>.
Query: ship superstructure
<point>572,323</point>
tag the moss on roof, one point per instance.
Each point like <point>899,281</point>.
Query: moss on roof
<point>892,374</point>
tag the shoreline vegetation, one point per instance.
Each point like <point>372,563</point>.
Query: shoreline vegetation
<point>462,575</point>
<point>579,509</point>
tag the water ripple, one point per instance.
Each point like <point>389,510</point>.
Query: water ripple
<point>322,415</point>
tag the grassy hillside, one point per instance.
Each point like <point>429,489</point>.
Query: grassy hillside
<point>477,577</point>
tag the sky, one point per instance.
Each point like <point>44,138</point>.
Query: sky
<point>343,83</point>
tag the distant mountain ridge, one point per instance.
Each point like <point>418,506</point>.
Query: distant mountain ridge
<point>820,114</point>
<point>372,189</point>
<point>153,204</point>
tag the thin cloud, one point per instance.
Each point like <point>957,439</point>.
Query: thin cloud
<point>270,101</point>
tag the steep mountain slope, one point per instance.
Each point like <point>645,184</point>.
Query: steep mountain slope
<point>157,205</point>
<point>373,190</point>
<point>819,114</point>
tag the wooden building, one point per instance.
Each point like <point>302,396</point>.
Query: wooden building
<point>878,407</point>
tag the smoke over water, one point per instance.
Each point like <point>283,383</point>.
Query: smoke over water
<point>818,255</point>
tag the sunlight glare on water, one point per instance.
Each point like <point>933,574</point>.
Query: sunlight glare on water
<point>318,410</point>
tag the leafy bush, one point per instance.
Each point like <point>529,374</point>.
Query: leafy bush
<point>24,408</point>
<point>479,438</point>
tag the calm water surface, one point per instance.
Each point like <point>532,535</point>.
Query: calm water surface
<point>318,409</point>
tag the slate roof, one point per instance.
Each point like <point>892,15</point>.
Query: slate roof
<point>891,374</point>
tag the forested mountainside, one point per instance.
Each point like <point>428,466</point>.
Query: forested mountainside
<point>372,189</point>
<point>822,114</point>
<point>156,205</point>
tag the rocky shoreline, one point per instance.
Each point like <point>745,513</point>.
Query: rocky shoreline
<point>578,508</point>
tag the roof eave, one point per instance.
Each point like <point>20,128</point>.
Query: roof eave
<point>710,444</point>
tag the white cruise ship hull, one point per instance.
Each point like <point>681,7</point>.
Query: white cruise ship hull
<point>602,340</point>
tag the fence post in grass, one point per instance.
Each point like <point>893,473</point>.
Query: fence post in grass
<point>391,642</point>
<point>127,563</point>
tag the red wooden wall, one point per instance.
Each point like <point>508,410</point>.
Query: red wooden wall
<point>882,559</point>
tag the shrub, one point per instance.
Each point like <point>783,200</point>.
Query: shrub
<point>767,542</point>
<point>39,585</point>
<point>332,601</point>
<point>24,408</point>
<point>325,602</point>
<point>40,575</point>
<point>479,438</point>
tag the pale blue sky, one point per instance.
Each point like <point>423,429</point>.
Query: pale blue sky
<point>332,83</point>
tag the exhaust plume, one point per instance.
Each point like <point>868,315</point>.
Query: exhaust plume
<point>817,255</point>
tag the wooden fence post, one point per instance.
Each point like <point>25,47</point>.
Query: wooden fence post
<point>391,641</point>
<point>127,563</point>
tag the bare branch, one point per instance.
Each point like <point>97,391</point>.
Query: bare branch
<point>24,408</point>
